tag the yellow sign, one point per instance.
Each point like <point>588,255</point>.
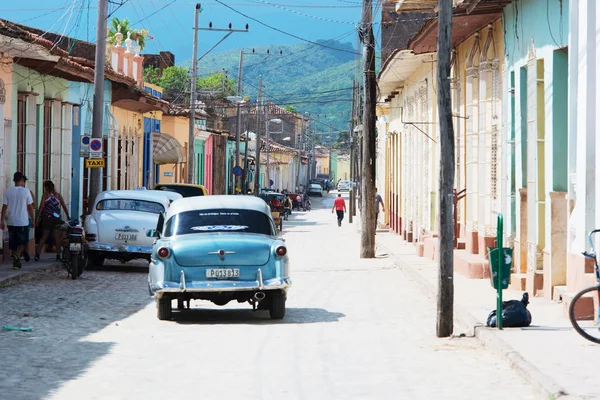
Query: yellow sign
<point>94,163</point>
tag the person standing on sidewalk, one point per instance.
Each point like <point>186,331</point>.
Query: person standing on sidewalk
<point>17,211</point>
<point>378,201</point>
<point>49,218</point>
<point>339,205</point>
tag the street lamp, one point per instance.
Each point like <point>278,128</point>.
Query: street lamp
<point>275,121</point>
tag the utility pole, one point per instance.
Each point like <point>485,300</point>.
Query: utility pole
<point>367,193</point>
<point>445,300</point>
<point>258,138</point>
<point>352,119</point>
<point>299,147</point>
<point>98,107</point>
<point>239,117</point>
<point>330,152</point>
<point>193,99</point>
<point>267,142</point>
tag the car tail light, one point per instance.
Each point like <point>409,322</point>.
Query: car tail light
<point>163,252</point>
<point>281,251</point>
<point>91,237</point>
<point>77,230</point>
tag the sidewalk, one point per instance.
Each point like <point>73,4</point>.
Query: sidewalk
<point>30,270</point>
<point>549,353</point>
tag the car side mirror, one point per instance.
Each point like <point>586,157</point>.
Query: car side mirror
<point>153,233</point>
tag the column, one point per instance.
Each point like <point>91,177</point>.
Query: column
<point>535,172</point>
<point>31,141</point>
<point>56,124</point>
<point>472,145</point>
<point>65,160</point>
<point>583,218</point>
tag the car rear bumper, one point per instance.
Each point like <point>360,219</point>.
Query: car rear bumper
<point>120,248</point>
<point>165,287</point>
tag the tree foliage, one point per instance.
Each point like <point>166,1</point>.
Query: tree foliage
<point>309,78</point>
<point>176,82</point>
<point>342,142</point>
<point>123,26</point>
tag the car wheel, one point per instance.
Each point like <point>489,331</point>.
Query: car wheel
<point>163,308</point>
<point>277,309</point>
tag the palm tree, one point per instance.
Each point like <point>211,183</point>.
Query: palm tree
<point>123,26</point>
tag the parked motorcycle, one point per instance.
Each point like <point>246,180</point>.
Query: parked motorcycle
<point>75,248</point>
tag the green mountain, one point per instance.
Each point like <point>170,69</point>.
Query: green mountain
<point>310,78</point>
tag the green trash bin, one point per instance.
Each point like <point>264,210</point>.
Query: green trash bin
<point>506,266</point>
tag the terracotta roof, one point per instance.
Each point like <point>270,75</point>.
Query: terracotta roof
<point>70,58</point>
<point>179,112</point>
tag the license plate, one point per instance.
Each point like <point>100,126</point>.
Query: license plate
<point>75,246</point>
<point>125,236</point>
<point>223,273</point>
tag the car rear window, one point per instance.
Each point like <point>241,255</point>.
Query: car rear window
<point>218,220</point>
<point>130,205</point>
<point>185,191</point>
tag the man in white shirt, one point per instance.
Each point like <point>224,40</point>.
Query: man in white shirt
<point>17,211</point>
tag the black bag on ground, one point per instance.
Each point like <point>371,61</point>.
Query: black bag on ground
<point>514,313</point>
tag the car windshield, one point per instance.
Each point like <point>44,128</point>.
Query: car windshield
<point>185,191</point>
<point>130,205</point>
<point>315,186</point>
<point>218,220</point>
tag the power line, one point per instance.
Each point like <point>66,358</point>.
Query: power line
<point>282,31</point>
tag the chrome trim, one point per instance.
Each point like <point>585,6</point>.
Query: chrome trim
<point>119,248</point>
<point>260,279</point>
<point>160,288</point>
<point>182,280</point>
<point>127,229</point>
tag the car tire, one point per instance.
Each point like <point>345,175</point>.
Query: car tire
<point>277,306</point>
<point>164,311</point>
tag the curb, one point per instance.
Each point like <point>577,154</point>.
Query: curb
<point>490,338</point>
<point>29,275</point>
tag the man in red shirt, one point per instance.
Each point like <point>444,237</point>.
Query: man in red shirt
<point>339,205</point>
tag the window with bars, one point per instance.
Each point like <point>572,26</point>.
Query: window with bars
<point>105,169</point>
<point>21,133</point>
<point>119,162</point>
<point>494,163</point>
<point>47,141</point>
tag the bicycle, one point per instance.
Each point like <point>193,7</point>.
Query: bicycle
<point>582,310</point>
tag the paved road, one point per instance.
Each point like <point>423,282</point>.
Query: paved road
<point>355,329</point>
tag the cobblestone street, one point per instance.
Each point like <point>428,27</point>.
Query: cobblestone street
<point>354,329</point>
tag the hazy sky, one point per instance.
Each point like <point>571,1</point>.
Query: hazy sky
<point>171,21</point>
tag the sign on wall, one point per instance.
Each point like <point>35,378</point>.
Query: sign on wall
<point>96,148</point>
<point>94,163</point>
<point>84,149</point>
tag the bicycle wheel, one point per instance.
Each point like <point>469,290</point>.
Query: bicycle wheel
<point>582,313</point>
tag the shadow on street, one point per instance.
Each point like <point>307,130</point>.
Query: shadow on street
<point>62,313</point>
<point>199,316</point>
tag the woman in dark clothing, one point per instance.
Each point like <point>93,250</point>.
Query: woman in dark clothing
<point>49,218</point>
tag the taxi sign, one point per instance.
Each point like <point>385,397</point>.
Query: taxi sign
<point>94,163</point>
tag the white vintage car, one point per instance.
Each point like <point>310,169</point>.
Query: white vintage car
<point>118,224</point>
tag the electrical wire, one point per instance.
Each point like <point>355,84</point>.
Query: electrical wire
<point>282,31</point>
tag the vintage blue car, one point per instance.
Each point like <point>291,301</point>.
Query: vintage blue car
<point>219,248</point>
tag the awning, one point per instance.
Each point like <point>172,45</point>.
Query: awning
<point>167,150</point>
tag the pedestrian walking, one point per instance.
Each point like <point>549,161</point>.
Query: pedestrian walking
<point>339,206</point>
<point>49,218</point>
<point>25,251</point>
<point>378,201</point>
<point>17,211</point>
